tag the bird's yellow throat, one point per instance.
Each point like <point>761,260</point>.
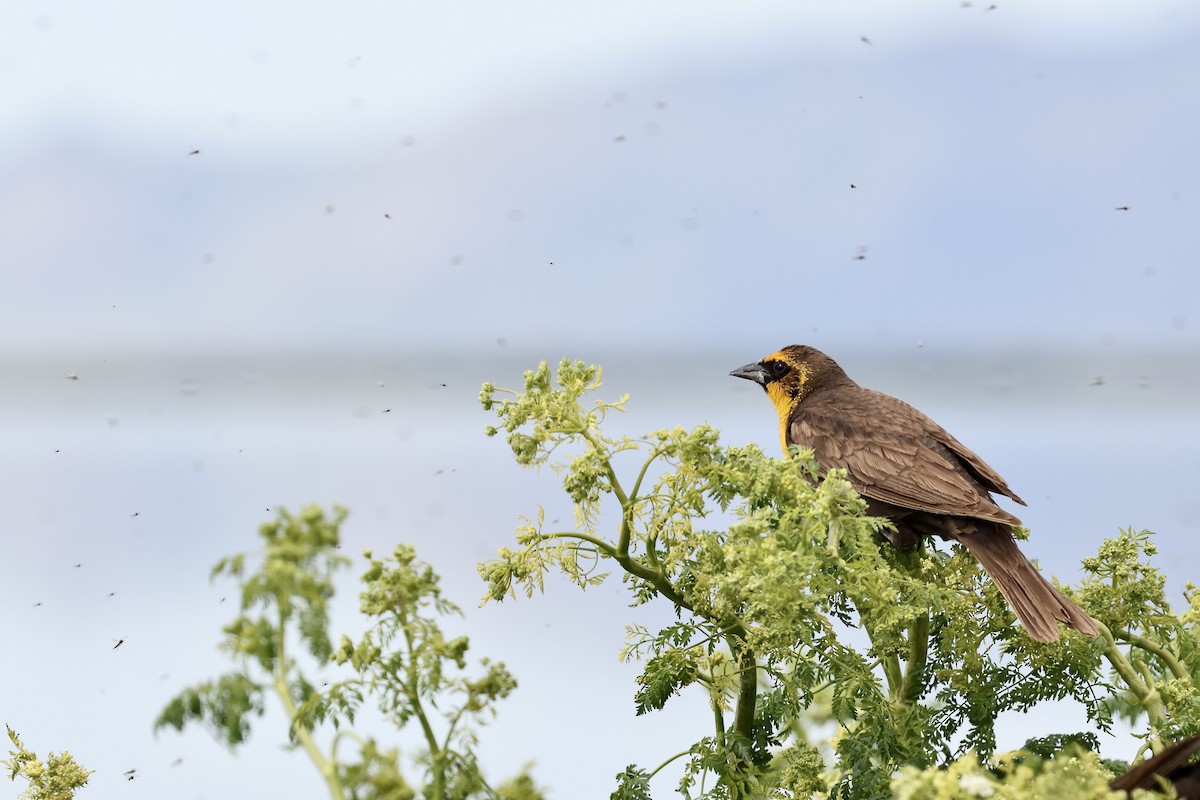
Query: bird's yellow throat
<point>786,394</point>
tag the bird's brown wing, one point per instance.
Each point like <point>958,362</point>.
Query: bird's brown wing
<point>978,468</point>
<point>887,448</point>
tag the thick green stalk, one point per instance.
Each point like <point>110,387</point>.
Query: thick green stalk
<point>1145,691</point>
<point>327,768</point>
<point>894,674</point>
<point>914,670</point>
<point>918,634</point>
<point>743,717</point>
<point>1173,664</point>
<point>718,712</point>
<point>437,756</point>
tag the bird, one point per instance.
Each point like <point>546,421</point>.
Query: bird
<point>911,471</point>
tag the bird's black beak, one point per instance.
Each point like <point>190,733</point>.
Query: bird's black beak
<point>752,372</point>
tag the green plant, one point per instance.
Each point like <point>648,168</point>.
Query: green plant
<point>402,663</point>
<point>56,778</point>
<point>795,612</point>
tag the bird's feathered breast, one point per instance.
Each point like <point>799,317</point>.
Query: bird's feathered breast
<point>894,453</point>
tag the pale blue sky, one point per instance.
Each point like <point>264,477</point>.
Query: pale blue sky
<point>448,192</point>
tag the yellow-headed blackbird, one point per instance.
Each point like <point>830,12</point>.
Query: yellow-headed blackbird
<point>910,470</point>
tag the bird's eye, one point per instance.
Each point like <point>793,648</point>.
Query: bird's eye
<point>775,369</point>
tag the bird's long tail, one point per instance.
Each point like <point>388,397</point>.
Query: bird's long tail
<point>1036,602</point>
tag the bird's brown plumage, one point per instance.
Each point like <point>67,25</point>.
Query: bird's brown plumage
<point>910,470</point>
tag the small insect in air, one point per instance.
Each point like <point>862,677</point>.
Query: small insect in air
<point>864,40</point>
<point>71,376</point>
<point>1121,208</point>
<point>130,774</point>
<point>1099,381</point>
<point>193,152</point>
<point>135,514</point>
<point>118,644</point>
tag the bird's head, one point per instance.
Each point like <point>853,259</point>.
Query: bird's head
<point>791,374</point>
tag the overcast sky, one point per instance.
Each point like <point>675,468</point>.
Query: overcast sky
<point>249,228</point>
